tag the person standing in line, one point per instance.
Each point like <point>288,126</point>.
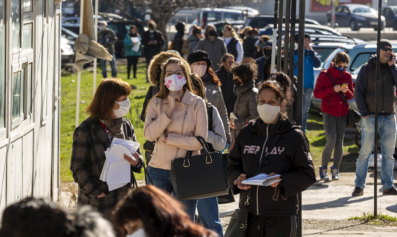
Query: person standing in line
<point>245,107</point>
<point>94,136</point>
<point>249,44</point>
<point>192,40</point>
<point>365,100</point>
<point>174,118</point>
<point>132,46</point>
<point>213,45</point>
<point>272,210</point>
<point>264,63</point>
<point>107,38</point>
<point>201,65</point>
<point>179,37</point>
<point>311,60</point>
<point>335,110</point>
<point>261,44</point>
<point>226,76</point>
<point>207,208</point>
<point>152,41</point>
<point>233,43</point>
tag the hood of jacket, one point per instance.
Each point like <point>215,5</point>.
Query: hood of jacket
<point>192,38</point>
<point>155,66</point>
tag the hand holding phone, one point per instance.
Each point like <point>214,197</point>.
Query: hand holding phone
<point>392,59</point>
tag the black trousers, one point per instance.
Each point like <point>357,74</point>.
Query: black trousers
<point>280,226</point>
<point>132,60</point>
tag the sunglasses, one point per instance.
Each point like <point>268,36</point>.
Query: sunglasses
<point>387,49</point>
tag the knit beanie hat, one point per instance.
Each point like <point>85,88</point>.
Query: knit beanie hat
<point>384,42</point>
<point>197,56</point>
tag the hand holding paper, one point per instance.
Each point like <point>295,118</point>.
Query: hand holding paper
<point>263,180</point>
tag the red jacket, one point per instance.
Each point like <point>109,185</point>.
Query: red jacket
<point>332,103</point>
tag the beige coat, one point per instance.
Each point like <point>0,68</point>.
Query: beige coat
<point>188,120</point>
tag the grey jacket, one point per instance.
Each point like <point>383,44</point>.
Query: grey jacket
<point>217,137</point>
<point>245,107</point>
<point>107,38</point>
<point>215,49</point>
<point>364,93</point>
<point>214,95</point>
<point>192,43</point>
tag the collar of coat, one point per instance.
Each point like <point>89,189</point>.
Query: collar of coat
<point>98,131</point>
<point>188,98</point>
<point>248,85</point>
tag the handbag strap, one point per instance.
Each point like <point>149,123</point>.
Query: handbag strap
<point>147,173</point>
<point>203,143</point>
<point>344,99</point>
<point>263,161</point>
<point>210,111</point>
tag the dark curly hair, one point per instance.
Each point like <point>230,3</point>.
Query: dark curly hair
<point>245,71</point>
<point>281,84</point>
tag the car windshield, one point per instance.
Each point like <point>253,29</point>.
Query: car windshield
<point>69,34</point>
<point>323,53</point>
<point>360,9</point>
<point>328,61</point>
<point>395,10</point>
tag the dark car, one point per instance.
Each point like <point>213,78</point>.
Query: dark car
<point>356,16</point>
<point>261,21</point>
<point>390,13</point>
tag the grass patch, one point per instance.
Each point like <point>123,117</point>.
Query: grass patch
<point>376,220</point>
<point>68,107</point>
<point>316,135</point>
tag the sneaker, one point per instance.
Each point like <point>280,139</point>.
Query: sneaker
<point>323,173</point>
<point>390,191</point>
<point>358,192</point>
<point>335,173</point>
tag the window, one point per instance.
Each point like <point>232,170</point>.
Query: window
<point>27,36</point>
<point>74,21</point>
<point>323,53</point>
<point>360,60</point>
<point>28,6</point>
<point>15,24</point>
<point>214,16</point>
<point>395,10</point>
<point>232,17</point>
<point>338,9</point>
<point>17,97</point>
<point>2,65</point>
<point>346,10</point>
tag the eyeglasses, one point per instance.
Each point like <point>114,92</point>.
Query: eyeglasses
<point>178,73</point>
<point>387,49</point>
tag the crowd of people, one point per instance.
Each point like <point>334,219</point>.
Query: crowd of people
<point>223,90</point>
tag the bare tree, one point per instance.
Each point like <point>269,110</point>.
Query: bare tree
<point>161,11</point>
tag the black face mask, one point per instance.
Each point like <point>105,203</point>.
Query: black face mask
<point>211,33</point>
<point>151,26</point>
<point>236,82</point>
<point>267,52</point>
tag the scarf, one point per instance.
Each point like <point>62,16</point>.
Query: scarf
<point>115,127</point>
<point>133,35</point>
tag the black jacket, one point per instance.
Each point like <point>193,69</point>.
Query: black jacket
<point>153,90</point>
<point>290,158</point>
<point>146,39</point>
<point>249,47</point>
<point>178,42</point>
<point>227,88</point>
<point>261,64</point>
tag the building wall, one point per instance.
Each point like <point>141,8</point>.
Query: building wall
<point>29,135</point>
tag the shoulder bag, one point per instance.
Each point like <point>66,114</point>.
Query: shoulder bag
<point>239,222</point>
<point>352,117</point>
<point>200,176</point>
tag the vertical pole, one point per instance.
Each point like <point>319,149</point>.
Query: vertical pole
<point>333,14</point>
<point>82,2</point>
<point>96,37</point>
<point>376,111</point>
<point>273,58</point>
<point>299,106</point>
<point>286,35</point>
<point>292,40</point>
<point>279,34</point>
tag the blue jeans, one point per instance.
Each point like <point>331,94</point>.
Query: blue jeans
<point>162,180</point>
<point>307,99</point>
<point>387,132</point>
<point>208,211</point>
<point>112,65</point>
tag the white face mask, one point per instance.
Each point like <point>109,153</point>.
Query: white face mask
<point>199,69</point>
<point>103,27</point>
<point>151,31</point>
<point>139,233</point>
<point>268,113</point>
<point>125,106</point>
<point>174,82</point>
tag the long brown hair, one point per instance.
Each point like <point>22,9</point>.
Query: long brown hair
<point>214,78</point>
<point>197,84</point>
<point>134,27</point>
<point>161,215</point>
<point>164,92</point>
<point>341,57</point>
<point>108,91</point>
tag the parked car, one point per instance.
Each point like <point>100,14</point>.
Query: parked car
<point>67,52</point>
<point>311,29</point>
<point>209,15</point>
<point>261,21</point>
<point>356,16</point>
<point>390,14</point>
<point>220,24</point>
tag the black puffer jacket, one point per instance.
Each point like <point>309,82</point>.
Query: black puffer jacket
<point>290,157</point>
<point>227,88</point>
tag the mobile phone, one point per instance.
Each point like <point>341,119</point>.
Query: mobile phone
<point>344,85</point>
<point>391,58</point>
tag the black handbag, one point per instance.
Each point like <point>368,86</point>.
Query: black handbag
<point>352,117</point>
<point>239,222</point>
<point>200,176</point>
<point>228,198</point>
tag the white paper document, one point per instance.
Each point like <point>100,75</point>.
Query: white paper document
<point>116,170</point>
<point>261,180</point>
<point>135,40</point>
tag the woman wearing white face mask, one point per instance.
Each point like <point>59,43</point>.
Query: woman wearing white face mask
<point>201,65</point>
<point>174,118</point>
<point>273,145</point>
<point>94,136</point>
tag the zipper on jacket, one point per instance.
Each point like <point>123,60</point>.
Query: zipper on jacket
<point>260,159</point>
<point>183,124</point>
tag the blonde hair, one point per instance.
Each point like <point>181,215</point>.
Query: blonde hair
<point>234,33</point>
